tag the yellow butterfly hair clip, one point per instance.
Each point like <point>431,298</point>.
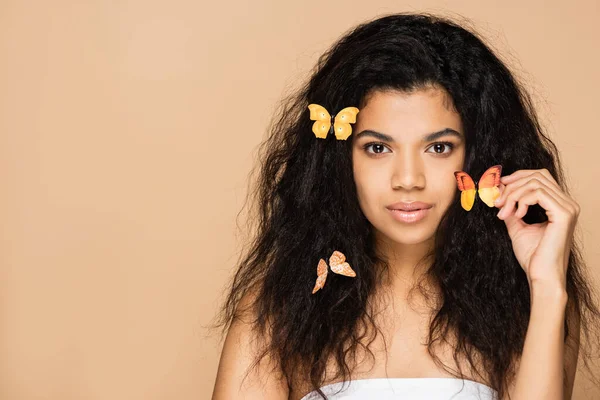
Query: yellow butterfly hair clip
<point>338,264</point>
<point>323,121</point>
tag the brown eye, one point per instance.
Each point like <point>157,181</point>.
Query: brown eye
<point>440,147</point>
<point>377,148</point>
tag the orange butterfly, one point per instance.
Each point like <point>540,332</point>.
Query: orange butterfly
<point>338,265</point>
<point>488,187</point>
<point>341,124</point>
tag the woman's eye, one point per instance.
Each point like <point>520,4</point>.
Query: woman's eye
<point>377,147</point>
<point>438,148</point>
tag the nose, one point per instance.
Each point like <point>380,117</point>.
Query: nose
<point>408,172</point>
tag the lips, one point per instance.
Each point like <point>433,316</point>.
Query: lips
<point>409,206</point>
<point>409,217</point>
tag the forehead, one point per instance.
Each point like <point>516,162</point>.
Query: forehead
<point>402,114</point>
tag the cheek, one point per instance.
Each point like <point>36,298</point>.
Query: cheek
<point>446,192</point>
<point>369,187</point>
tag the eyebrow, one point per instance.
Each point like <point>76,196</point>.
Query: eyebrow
<point>427,138</point>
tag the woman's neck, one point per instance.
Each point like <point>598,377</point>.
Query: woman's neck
<point>408,266</point>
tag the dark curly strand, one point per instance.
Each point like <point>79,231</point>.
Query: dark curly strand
<point>308,207</point>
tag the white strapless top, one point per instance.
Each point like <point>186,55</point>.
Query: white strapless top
<point>406,389</point>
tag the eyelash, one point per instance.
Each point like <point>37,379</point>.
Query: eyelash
<point>447,144</point>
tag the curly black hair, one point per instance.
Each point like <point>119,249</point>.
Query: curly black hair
<point>306,207</point>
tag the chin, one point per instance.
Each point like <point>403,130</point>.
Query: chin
<point>407,235</point>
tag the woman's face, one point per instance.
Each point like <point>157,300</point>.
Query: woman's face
<point>406,149</point>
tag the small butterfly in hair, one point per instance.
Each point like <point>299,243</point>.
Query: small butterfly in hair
<point>338,264</point>
<point>488,187</point>
<point>341,121</point>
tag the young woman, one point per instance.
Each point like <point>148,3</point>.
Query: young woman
<point>437,302</point>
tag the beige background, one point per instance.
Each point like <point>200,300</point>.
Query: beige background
<point>128,130</point>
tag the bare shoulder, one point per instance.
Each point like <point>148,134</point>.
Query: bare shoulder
<point>239,376</point>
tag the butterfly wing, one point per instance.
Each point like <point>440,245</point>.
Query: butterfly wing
<point>488,185</point>
<point>321,275</point>
<point>342,121</point>
<point>322,120</point>
<point>467,188</point>
<point>339,266</point>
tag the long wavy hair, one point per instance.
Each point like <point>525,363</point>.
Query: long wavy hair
<point>306,207</point>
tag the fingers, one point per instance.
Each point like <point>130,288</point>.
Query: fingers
<point>527,172</point>
<point>554,209</point>
<point>532,192</point>
<point>515,187</point>
<point>513,195</point>
<point>520,177</point>
<point>513,192</point>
